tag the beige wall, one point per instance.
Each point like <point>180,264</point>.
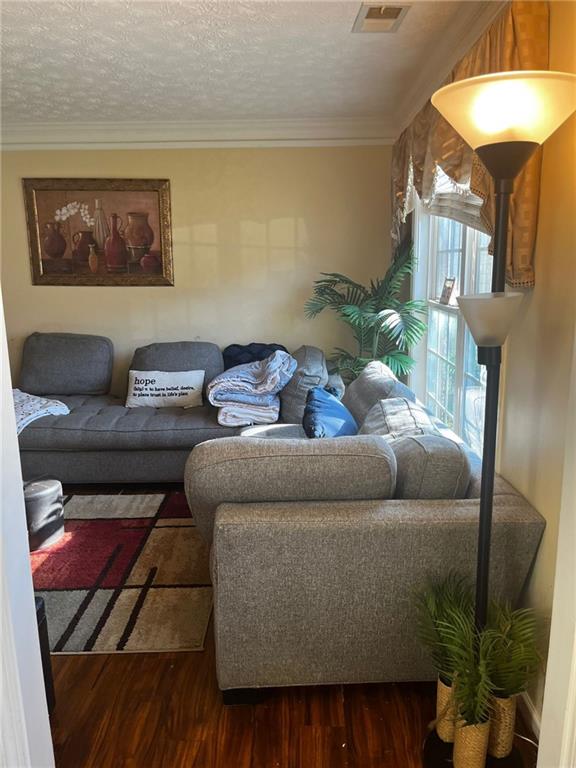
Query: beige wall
<point>252,228</point>
<point>540,349</point>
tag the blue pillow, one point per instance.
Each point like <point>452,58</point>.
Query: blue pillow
<point>326,416</point>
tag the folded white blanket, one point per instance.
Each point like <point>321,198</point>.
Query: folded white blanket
<point>31,407</point>
<point>244,415</point>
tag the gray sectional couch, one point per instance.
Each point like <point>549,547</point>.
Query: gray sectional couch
<point>100,440</point>
<point>318,546</point>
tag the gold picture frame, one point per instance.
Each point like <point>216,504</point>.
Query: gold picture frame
<point>99,231</point>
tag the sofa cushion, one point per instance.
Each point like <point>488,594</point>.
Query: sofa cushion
<point>376,382</point>
<point>180,356</point>
<point>103,423</point>
<point>396,417</point>
<point>430,467</point>
<point>326,416</point>
<point>66,364</point>
<point>247,469</point>
<point>310,372</point>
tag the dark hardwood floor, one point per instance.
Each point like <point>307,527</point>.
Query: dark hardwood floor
<point>164,710</point>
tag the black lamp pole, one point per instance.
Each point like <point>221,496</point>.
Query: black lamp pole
<point>504,161</point>
<point>496,107</point>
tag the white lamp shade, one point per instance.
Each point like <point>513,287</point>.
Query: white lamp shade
<point>490,316</point>
<point>508,106</point>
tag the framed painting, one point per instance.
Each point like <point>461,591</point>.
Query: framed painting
<point>99,231</point>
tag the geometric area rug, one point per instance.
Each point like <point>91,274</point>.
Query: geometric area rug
<point>130,575</point>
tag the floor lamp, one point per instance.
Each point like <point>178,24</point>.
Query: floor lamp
<point>504,117</point>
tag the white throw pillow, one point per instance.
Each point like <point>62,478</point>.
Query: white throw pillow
<point>161,389</point>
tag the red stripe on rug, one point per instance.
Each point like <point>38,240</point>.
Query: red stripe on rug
<point>76,561</point>
<point>175,506</point>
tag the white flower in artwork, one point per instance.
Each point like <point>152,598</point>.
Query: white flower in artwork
<point>71,209</point>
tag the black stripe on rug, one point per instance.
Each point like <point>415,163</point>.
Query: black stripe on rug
<point>136,610</point>
<point>67,634</point>
<point>89,645</point>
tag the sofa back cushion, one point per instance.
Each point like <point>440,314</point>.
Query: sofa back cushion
<point>397,417</point>
<point>310,372</point>
<point>430,467</point>
<point>66,364</point>
<point>180,356</point>
<point>376,382</point>
<point>245,469</point>
<point>326,416</point>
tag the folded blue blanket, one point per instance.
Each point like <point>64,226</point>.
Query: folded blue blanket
<point>254,383</point>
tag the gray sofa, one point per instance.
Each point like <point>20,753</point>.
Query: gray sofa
<point>316,556</point>
<point>101,441</point>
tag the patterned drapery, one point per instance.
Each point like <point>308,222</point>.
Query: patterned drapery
<point>430,150</point>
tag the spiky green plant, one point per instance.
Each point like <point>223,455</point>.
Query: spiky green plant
<point>472,653</point>
<point>384,327</point>
<point>435,605</point>
<point>515,659</point>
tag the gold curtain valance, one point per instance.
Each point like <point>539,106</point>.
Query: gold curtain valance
<point>430,147</point>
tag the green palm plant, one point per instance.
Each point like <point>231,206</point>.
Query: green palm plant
<point>471,653</point>
<point>515,659</point>
<point>435,606</point>
<point>384,326</point>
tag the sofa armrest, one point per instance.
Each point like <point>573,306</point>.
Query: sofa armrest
<point>323,592</point>
<point>244,469</point>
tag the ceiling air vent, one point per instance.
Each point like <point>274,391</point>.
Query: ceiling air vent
<point>375,17</point>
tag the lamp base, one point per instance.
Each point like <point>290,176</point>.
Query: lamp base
<point>506,159</point>
<point>437,754</point>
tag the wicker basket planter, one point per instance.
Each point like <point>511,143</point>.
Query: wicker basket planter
<point>503,720</point>
<point>445,714</point>
<point>471,745</point>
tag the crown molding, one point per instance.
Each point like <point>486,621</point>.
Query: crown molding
<point>471,22</point>
<point>201,134</point>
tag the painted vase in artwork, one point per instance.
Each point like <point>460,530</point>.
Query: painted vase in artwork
<point>93,260</point>
<point>139,235</point>
<point>115,251</point>
<point>150,263</point>
<point>82,241</point>
<point>101,228</point>
<point>54,243</point>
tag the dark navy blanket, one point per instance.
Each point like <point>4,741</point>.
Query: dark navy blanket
<point>238,354</point>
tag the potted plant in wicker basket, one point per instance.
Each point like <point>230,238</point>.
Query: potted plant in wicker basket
<point>514,661</point>
<point>435,606</point>
<point>472,652</point>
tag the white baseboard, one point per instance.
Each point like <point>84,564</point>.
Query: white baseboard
<point>530,713</point>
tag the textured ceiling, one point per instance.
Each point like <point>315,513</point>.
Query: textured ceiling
<point>119,61</point>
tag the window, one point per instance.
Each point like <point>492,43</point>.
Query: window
<point>447,377</point>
